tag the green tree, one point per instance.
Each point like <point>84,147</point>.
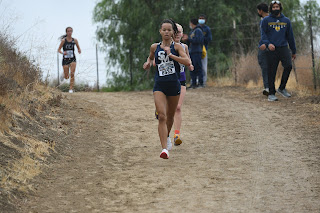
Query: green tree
<point>311,8</point>
<point>127,28</point>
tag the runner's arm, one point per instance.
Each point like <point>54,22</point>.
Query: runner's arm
<point>182,58</point>
<point>150,58</point>
<point>187,52</point>
<point>77,43</point>
<point>61,45</point>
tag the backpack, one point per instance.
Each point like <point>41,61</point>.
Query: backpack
<point>204,52</point>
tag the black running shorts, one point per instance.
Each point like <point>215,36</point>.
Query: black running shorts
<point>67,61</point>
<point>169,88</point>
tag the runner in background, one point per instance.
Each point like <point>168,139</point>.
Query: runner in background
<point>178,114</point>
<point>69,58</point>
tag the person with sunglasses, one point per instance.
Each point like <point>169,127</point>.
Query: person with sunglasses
<point>276,34</point>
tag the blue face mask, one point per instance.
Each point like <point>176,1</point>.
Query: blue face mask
<point>201,21</point>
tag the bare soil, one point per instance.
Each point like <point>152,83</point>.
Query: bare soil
<point>240,153</point>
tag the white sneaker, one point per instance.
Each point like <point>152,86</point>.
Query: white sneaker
<point>70,91</point>
<point>164,154</point>
<point>169,144</point>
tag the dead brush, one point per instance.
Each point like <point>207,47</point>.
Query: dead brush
<point>17,75</point>
<point>247,72</point>
<point>55,100</point>
<point>3,115</point>
<point>16,70</point>
<point>246,68</point>
<point>22,98</point>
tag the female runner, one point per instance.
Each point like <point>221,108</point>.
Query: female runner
<point>167,87</point>
<point>178,114</point>
<point>69,58</point>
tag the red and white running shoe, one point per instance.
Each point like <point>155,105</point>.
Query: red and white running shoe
<point>164,154</point>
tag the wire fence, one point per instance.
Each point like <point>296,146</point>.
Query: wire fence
<point>307,64</point>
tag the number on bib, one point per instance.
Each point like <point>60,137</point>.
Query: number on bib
<point>69,54</point>
<point>166,68</point>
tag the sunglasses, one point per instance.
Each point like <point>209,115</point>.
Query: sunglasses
<point>273,2</point>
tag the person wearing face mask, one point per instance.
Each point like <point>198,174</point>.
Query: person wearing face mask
<point>276,34</point>
<point>195,43</point>
<point>207,38</point>
<point>262,10</point>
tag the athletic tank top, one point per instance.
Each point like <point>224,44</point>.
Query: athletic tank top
<point>182,68</point>
<point>167,69</point>
<point>68,47</point>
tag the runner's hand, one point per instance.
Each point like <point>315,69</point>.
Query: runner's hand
<point>167,49</point>
<point>146,65</point>
<point>191,67</point>
<point>294,57</point>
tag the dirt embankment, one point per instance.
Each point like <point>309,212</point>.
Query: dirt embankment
<point>240,153</point>
<point>31,131</point>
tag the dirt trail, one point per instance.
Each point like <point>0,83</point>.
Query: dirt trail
<point>239,154</point>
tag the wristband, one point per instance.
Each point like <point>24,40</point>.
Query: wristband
<point>169,54</point>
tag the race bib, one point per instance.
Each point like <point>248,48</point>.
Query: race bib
<point>166,68</point>
<point>181,68</point>
<point>69,54</point>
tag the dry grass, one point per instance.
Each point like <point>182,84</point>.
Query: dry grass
<point>221,82</point>
<point>17,76</point>
<point>246,69</point>
<point>20,171</point>
<point>24,104</point>
<point>247,72</point>
<point>34,151</point>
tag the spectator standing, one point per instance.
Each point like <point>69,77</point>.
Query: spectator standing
<point>262,9</point>
<point>276,34</point>
<point>195,43</point>
<point>207,38</point>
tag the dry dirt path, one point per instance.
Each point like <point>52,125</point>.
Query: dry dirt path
<point>239,154</point>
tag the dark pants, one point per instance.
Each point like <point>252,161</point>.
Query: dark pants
<point>282,54</point>
<point>263,62</point>
<point>197,72</point>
